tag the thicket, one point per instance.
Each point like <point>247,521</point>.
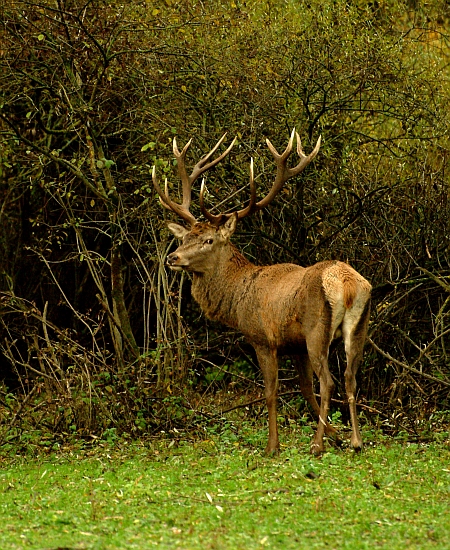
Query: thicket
<point>96,335</point>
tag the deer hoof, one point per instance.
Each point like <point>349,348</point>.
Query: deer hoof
<point>272,451</point>
<point>356,444</point>
<point>316,449</point>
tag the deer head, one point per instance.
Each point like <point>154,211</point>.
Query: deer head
<point>203,245</point>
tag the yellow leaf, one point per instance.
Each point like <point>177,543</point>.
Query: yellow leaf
<point>92,202</point>
<point>184,88</point>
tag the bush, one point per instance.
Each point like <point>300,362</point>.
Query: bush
<point>92,95</point>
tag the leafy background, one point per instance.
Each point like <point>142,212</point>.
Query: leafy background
<point>96,337</point>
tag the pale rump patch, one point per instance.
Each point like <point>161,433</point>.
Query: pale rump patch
<point>342,282</point>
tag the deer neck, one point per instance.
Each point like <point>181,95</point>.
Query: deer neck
<point>219,290</point>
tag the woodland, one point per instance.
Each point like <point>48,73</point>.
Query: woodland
<point>97,336</point>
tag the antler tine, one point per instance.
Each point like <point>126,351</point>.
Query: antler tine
<point>283,172</point>
<point>212,218</point>
<point>251,206</point>
<point>286,152</point>
<point>203,165</point>
<point>213,150</point>
<point>186,184</point>
<point>168,203</point>
<point>305,159</point>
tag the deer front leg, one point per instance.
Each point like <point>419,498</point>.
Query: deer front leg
<point>268,362</point>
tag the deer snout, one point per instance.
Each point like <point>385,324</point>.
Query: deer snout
<point>172,260</point>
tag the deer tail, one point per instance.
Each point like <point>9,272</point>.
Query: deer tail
<point>350,290</point>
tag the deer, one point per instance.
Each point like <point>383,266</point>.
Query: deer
<point>281,309</point>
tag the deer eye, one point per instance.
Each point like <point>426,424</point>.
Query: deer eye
<point>209,241</point>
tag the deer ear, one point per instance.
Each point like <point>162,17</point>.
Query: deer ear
<point>178,230</point>
<point>229,227</point>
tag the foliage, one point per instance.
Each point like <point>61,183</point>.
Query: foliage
<point>94,331</point>
<point>193,496</point>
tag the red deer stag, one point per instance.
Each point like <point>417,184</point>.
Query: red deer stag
<point>280,309</point>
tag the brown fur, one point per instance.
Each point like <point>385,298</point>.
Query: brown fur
<point>282,308</point>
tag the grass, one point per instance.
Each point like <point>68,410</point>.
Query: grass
<point>223,494</point>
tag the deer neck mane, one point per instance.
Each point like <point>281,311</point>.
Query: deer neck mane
<point>218,290</point>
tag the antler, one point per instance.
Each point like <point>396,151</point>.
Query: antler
<point>283,174</point>
<point>187,181</point>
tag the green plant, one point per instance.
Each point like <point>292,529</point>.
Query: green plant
<point>192,496</point>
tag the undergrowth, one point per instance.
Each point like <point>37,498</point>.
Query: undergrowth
<point>40,424</point>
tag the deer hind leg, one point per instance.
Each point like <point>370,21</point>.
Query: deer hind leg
<point>354,331</point>
<point>268,362</point>
<point>305,381</point>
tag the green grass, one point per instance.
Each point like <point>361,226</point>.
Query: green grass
<point>223,495</point>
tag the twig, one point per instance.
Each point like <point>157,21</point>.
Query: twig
<point>234,374</point>
<point>436,279</point>
<point>47,339</point>
<point>295,392</point>
<point>106,309</point>
<point>407,367</point>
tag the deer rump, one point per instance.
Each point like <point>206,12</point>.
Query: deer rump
<point>280,309</point>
